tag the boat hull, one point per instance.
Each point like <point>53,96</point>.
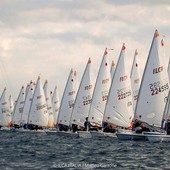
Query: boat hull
<point>153,133</point>
<point>84,134</point>
<point>98,134</point>
<point>131,136</point>
<point>68,133</point>
<point>158,138</point>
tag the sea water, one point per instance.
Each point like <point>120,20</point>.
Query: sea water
<point>25,150</point>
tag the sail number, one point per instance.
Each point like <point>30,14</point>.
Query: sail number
<point>87,100</point>
<point>88,87</point>
<point>135,94</point>
<point>39,106</point>
<point>105,81</point>
<point>104,98</point>
<point>104,95</point>
<point>123,93</point>
<point>71,93</point>
<point>158,87</point>
<point>123,78</point>
<point>71,103</point>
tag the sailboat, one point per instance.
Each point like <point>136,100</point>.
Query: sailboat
<point>67,103</point>
<point>27,104</point>
<point>49,105</point>
<point>55,104</point>
<point>153,91</point>
<point>100,95</point>
<point>119,108</point>
<point>38,114</point>
<point>83,99</point>
<point>135,79</point>
<point>5,112</point>
<point>18,109</point>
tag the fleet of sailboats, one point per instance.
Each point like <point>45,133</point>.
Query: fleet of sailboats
<point>118,99</point>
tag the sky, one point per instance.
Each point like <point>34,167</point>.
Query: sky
<point>48,38</point>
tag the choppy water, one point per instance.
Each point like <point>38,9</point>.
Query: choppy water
<point>20,150</point>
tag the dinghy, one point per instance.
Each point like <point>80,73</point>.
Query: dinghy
<point>27,104</point>
<point>135,79</point>
<point>38,114</point>
<point>119,108</point>
<point>5,112</point>
<point>100,95</point>
<point>67,104</point>
<point>153,90</point>
<point>18,109</point>
<point>55,104</point>
<point>83,100</point>
<point>49,105</point>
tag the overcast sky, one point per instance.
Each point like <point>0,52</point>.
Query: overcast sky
<point>49,37</point>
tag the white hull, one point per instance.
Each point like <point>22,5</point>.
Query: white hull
<point>51,131</point>
<point>29,131</point>
<point>153,133</point>
<point>84,134</point>
<point>131,136</point>
<point>5,128</point>
<point>68,133</point>
<point>158,138</point>
<point>99,134</point>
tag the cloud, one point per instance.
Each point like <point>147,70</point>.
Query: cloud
<point>51,37</point>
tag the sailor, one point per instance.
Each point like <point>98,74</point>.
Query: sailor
<point>86,124</point>
<point>74,127</point>
<point>168,127</point>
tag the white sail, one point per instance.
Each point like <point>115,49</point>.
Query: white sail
<point>83,98</point>
<point>101,91</point>
<point>76,82</point>
<point>5,112</point>
<point>169,70</point>
<point>11,104</point>
<point>28,100</point>
<point>166,113</point>
<point>55,104</point>
<point>49,105</point>
<point>135,79</point>
<point>154,86</point>
<point>112,70</point>
<point>38,111</point>
<point>119,109</point>
<point>27,88</point>
<point>68,100</point>
<point>18,109</point>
